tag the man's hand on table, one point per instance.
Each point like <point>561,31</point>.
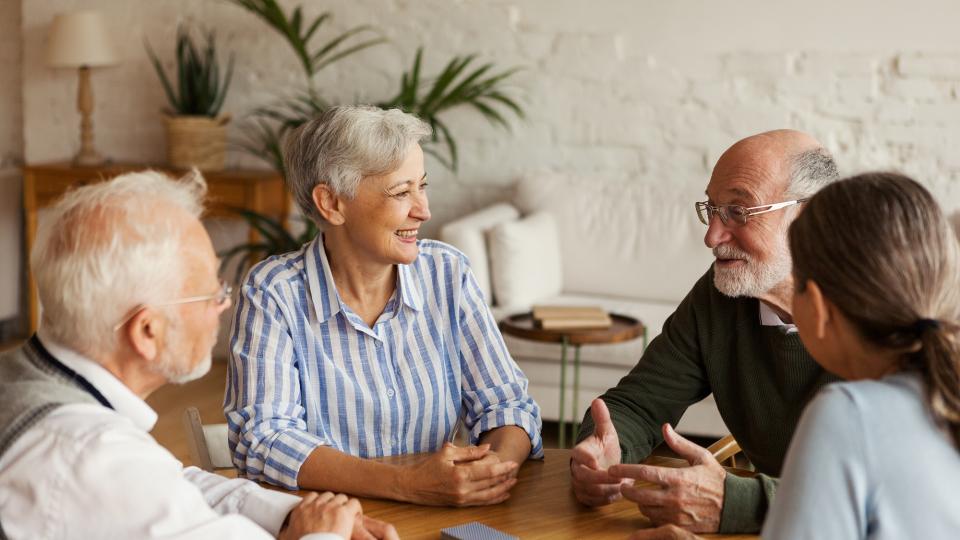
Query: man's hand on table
<point>373,529</point>
<point>666,532</point>
<point>691,497</point>
<point>322,512</point>
<point>591,459</point>
<point>459,476</point>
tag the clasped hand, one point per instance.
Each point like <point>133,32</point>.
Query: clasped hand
<point>339,514</point>
<point>460,476</point>
<point>690,497</point>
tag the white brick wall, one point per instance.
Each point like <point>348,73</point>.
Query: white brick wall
<point>651,91</point>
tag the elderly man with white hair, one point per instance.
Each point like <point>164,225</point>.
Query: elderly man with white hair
<point>127,277</point>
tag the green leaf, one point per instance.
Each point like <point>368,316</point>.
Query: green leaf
<point>199,89</point>
<point>348,51</point>
<point>315,25</point>
<point>167,88</point>
<point>449,141</point>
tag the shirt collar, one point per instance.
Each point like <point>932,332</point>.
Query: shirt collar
<point>410,292</point>
<point>124,401</point>
<point>769,317</point>
<point>323,290</point>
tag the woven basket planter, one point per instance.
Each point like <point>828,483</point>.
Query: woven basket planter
<point>197,141</point>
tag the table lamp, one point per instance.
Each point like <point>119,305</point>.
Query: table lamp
<point>80,40</point>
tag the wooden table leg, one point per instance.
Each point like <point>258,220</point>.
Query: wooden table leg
<point>561,424</point>
<point>574,410</point>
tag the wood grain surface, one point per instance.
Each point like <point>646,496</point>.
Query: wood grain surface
<point>624,328</point>
<point>542,505</point>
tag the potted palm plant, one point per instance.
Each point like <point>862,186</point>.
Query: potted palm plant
<point>464,82</point>
<point>196,131</point>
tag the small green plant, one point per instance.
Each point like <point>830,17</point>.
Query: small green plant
<point>199,90</point>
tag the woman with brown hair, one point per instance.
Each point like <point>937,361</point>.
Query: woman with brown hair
<point>877,301</point>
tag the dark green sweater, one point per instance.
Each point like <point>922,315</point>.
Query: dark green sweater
<point>760,377</point>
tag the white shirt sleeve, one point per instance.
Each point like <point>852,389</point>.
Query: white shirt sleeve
<point>88,473</point>
<point>824,490</point>
<point>266,508</point>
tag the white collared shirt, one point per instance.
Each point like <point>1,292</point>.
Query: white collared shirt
<point>769,317</point>
<point>86,471</point>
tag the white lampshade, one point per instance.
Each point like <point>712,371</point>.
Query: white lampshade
<point>80,39</point>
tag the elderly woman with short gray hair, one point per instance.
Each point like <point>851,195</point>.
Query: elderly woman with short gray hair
<point>369,342</point>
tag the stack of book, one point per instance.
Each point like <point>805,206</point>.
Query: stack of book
<point>571,317</point>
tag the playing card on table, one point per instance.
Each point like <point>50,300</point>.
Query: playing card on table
<point>474,531</point>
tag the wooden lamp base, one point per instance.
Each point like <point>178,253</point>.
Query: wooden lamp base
<point>88,155</point>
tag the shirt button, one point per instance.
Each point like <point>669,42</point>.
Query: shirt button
<point>390,392</point>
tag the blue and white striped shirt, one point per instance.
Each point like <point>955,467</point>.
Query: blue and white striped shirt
<point>306,371</point>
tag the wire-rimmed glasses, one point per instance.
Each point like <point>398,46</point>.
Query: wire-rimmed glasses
<point>736,214</point>
<point>220,298</point>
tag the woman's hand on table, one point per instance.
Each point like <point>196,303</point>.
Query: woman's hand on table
<point>322,512</point>
<point>459,476</point>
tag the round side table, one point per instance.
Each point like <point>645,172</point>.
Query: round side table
<point>523,326</point>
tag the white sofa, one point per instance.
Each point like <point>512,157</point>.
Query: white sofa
<point>632,248</point>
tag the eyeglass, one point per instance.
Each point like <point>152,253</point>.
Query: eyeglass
<point>737,214</point>
<point>219,298</point>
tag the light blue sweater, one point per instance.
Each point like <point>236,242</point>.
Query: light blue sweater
<point>867,461</point>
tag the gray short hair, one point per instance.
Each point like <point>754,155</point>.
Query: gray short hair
<point>105,248</point>
<point>811,171</point>
<point>343,145</point>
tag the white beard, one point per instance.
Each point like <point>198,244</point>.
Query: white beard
<point>752,279</point>
<point>198,371</point>
<point>173,362</point>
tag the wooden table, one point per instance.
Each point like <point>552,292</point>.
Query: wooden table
<point>542,505</point>
<point>258,190</point>
<point>623,328</point>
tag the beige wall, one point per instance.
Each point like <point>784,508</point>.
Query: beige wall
<point>11,89</point>
<point>648,90</point>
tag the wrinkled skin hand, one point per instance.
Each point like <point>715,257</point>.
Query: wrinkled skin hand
<point>322,512</point>
<point>373,529</point>
<point>592,458</point>
<point>691,497</point>
<point>455,476</point>
<point>666,532</point>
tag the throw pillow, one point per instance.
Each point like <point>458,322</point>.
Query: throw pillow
<point>525,261</point>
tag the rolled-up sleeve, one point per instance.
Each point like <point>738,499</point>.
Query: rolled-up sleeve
<point>263,404</point>
<point>494,387</point>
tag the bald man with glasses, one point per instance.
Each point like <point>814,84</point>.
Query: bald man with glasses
<point>732,336</point>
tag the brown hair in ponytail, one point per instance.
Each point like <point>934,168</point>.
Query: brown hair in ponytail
<point>882,251</point>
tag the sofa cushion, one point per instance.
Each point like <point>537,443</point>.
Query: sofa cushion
<point>525,260</point>
<point>469,236</point>
<point>635,240</point>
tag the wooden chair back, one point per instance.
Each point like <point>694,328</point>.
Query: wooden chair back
<point>208,443</point>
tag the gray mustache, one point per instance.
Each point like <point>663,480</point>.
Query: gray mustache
<point>725,251</point>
